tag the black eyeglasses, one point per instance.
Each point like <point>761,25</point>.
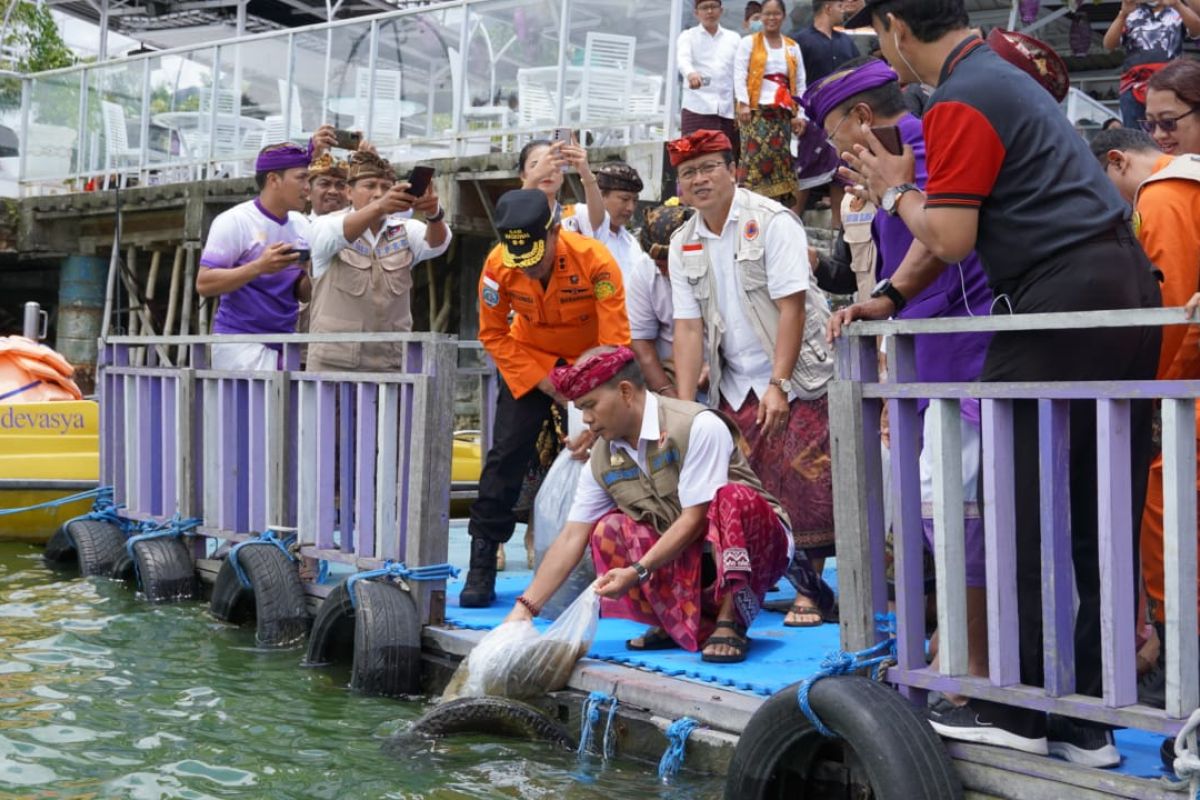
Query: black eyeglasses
<point>1168,125</point>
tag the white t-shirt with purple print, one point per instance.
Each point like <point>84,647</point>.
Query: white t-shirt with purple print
<point>268,303</point>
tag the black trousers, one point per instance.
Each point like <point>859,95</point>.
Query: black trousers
<point>1108,273</point>
<point>515,433</point>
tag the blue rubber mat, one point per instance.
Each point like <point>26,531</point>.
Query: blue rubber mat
<point>1139,754</point>
<point>778,656</point>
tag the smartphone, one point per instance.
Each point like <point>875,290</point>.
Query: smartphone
<point>889,137</point>
<point>562,135</point>
<point>418,181</point>
<point>302,254</point>
<point>347,140</point>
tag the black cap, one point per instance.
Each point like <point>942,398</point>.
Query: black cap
<point>523,217</point>
<point>863,18</point>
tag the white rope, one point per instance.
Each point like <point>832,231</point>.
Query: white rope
<point>1187,761</point>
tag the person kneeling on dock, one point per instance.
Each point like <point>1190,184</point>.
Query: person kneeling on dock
<point>683,534</point>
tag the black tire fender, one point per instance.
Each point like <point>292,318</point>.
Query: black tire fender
<point>165,568</point>
<point>492,716</point>
<point>382,637</point>
<point>897,751</point>
<point>275,599</point>
<point>94,545</point>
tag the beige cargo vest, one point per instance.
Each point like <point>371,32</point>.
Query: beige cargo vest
<point>654,499</point>
<point>364,289</point>
<point>814,367</point>
<point>1181,168</point>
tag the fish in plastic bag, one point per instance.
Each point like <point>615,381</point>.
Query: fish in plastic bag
<point>550,511</point>
<point>517,662</point>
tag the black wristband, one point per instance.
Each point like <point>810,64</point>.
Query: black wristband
<point>439,216</point>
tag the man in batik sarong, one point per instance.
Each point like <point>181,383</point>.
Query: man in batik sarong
<point>741,286</point>
<point>684,536</point>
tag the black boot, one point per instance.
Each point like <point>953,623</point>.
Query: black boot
<point>480,588</point>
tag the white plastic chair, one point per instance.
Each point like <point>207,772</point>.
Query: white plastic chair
<point>385,123</point>
<point>296,124</point>
<point>535,102</point>
<point>607,78</point>
<point>491,115</point>
<point>116,145</point>
<point>645,101</point>
<point>227,138</point>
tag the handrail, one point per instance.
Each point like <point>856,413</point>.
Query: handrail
<point>1124,318</point>
<point>281,338</point>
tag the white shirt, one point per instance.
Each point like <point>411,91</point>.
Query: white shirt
<point>776,64</point>
<point>621,244</point>
<point>328,238</point>
<point>648,302</point>
<point>705,469</point>
<point>710,55</point>
<point>745,365</point>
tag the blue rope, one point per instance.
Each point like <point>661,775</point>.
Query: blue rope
<point>176,526</point>
<point>839,662</point>
<point>390,569</point>
<point>322,571</point>
<point>590,716</point>
<point>266,537</point>
<point>609,744</point>
<point>98,492</point>
<point>104,510</point>
<point>672,758</point>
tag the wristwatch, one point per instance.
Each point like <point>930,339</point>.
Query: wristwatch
<point>784,384</point>
<point>891,198</point>
<point>438,217</point>
<point>885,289</point>
<point>642,573</point>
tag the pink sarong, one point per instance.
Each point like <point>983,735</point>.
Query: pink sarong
<point>748,547</point>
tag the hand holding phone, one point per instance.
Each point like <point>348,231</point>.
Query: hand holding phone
<point>419,180</point>
<point>347,140</point>
<point>889,137</point>
<point>565,136</point>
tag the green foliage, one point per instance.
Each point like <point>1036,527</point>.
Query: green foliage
<point>33,34</point>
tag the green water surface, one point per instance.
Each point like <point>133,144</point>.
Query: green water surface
<point>105,696</point>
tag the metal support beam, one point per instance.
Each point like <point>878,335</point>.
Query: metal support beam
<point>1046,20</point>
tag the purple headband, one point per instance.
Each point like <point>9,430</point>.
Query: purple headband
<point>281,157</point>
<point>829,93</point>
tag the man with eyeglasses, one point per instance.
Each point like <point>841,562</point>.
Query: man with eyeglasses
<point>740,284</point>
<point>1010,178</point>
<point>704,56</point>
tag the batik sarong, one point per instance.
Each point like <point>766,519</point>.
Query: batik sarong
<point>748,547</point>
<point>766,166</point>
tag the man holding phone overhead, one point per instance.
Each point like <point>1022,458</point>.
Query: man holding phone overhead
<point>362,262</point>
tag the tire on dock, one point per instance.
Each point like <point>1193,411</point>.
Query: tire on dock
<point>95,546</point>
<point>382,638</point>
<point>895,749</point>
<point>491,716</point>
<point>165,569</point>
<point>275,599</point>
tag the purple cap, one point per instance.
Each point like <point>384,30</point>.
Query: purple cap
<point>830,92</point>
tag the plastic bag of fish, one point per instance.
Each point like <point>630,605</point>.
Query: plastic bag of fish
<point>517,661</point>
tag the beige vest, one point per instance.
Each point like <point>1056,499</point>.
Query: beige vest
<point>364,289</point>
<point>1185,167</point>
<point>814,367</point>
<point>654,499</point>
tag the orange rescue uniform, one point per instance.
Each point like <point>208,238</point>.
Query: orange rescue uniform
<point>582,306</point>
<point>1168,226</point>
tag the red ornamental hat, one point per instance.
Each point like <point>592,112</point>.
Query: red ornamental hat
<point>575,381</point>
<point>1035,58</point>
<point>697,144</point>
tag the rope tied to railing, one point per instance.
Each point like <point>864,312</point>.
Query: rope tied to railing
<point>104,510</point>
<point>1187,761</point>
<point>672,758</point>
<point>839,662</point>
<point>267,537</point>
<point>590,716</point>
<point>98,493</point>
<point>392,569</point>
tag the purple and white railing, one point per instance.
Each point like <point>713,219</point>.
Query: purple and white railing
<point>856,401</point>
<point>356,463</point>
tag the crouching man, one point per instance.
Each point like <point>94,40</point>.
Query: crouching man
<point>684,537</point>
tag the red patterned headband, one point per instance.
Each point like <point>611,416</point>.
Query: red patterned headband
<point>575,381</point>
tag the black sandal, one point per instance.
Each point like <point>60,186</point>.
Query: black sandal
<point>653,639</point>
<point>741,643</point>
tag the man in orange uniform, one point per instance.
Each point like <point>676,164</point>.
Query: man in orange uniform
<point>565,296</point>
<point>1165,193</point>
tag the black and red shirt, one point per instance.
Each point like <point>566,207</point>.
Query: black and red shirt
<point>997,141</point>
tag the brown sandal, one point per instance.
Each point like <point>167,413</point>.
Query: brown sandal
<point>803,607</point>
<point>740,643</point>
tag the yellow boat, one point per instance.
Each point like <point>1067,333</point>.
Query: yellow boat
<point>48,450</point>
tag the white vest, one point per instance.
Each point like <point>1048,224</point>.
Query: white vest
<point>814,367</point>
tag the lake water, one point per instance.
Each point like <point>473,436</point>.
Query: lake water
<point>105,696</point>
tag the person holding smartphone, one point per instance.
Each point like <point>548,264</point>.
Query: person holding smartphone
<point>362,260</point>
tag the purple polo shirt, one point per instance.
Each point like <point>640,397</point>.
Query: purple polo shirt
<point>268,303</point>
<point>954,357</point>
